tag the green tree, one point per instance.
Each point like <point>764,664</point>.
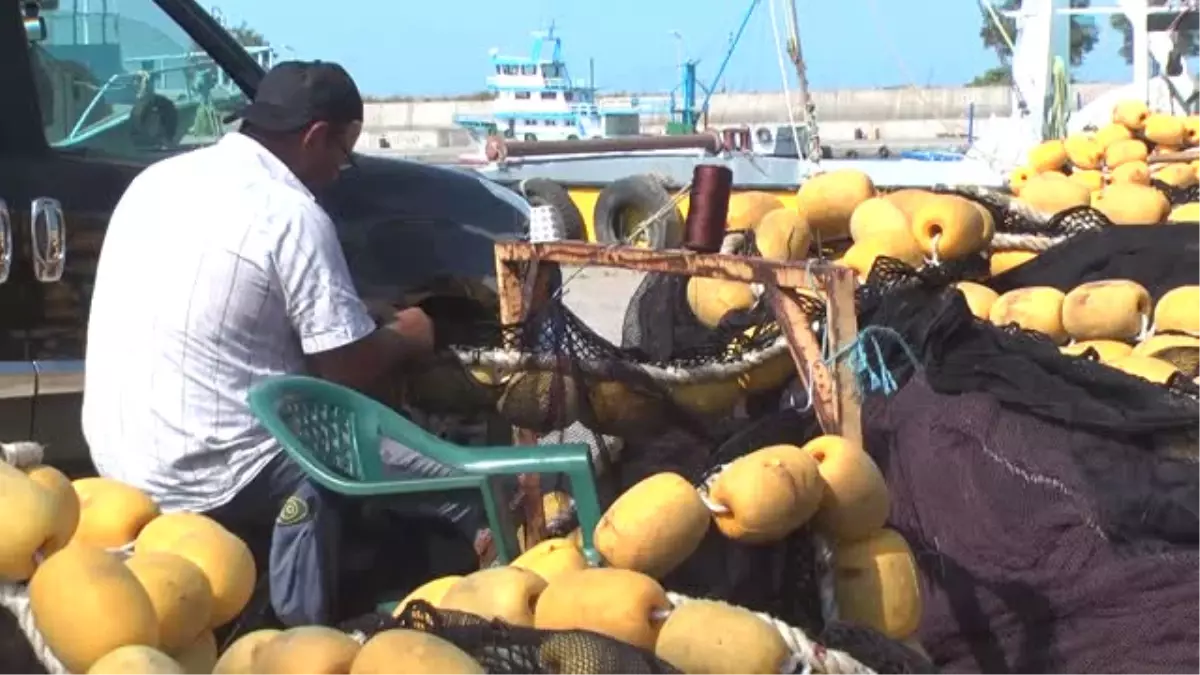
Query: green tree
<point>1084,36</point>
<point>249,37</point>
<point>1188,42</point>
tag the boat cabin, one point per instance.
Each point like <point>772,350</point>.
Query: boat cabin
<point>535,99</point>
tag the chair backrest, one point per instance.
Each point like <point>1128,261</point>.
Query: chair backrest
<point>323,422</point>
<point>339,428</point>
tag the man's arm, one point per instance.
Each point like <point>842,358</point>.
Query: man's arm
<point>336,332</point>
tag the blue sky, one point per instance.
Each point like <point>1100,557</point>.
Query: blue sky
<point>416,47</point>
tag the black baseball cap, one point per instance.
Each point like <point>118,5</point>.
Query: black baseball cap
<point>294,94</point>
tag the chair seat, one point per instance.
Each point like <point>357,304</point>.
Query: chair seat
<point>337,434</point>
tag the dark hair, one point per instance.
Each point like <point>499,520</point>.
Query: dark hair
<point>258,133</point>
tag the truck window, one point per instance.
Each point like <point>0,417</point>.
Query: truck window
<point>123,79</point>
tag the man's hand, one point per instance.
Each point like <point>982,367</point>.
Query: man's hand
<point>415,326</point>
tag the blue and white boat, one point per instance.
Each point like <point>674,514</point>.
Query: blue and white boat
<point>536,100</point>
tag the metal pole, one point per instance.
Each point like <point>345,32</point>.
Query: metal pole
<point>677,112</point>
<point>808,115</point>
<point>689,96</point>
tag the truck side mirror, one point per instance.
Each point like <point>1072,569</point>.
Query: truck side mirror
<point>35,25</point>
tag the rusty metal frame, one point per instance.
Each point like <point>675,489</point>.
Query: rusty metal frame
<point>835,402</point>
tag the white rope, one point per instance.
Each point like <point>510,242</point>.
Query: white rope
<point>1006,241</point>
<point>21,454</point>
<point>733,243</point>
<point>787,94</point>
<point>514,360</point>
<point>15,598</point>
<point>812,655</point>
<point>933,259</point>
<point>703,488</point>
<point>1147,329</point>
<point>712,505</point>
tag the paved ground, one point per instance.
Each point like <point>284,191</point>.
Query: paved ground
<point>599,296</point>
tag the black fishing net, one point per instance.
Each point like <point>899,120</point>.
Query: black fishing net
<point>662,427</point>
<point>565,376</point>
<point>553,372</point>
<point>1178,195</point>
<point>1158,257</point>
<point>1051,501</point>
<point>503,648</point>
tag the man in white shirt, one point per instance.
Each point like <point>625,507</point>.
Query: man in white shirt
<point>219,269</point>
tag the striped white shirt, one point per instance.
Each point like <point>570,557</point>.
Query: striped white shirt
<point>218,269</point>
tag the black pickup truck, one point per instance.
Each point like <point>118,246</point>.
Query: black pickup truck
<point>90,98</point>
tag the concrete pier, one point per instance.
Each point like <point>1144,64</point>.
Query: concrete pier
<point>893,117</point>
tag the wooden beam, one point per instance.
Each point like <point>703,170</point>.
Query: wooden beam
<point>841,324</point>
<point>806,354</point>
<point>717,266</point>
<point>518,289</point>
<point>835,399</point>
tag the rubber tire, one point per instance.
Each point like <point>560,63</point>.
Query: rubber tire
<point>648,196</point>
<point>154,121</point>
<point>545,192</point>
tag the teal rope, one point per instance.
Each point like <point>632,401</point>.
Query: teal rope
<point>866,359</point>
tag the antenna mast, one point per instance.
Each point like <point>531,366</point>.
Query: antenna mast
<point>808,114</point>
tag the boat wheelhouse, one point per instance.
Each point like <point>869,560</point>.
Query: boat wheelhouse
<point>535,99</point>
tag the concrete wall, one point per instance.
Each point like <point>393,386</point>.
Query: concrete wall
<point>893,113</point>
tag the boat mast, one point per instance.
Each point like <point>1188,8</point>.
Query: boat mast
<point>808,110</point>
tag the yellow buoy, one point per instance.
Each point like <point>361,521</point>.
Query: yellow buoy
<point>1164,129</point>
<point>829,199</point>
<point>1084,152</point>
<point>1132,114</point>
<point>1048,155</point>
<point>1130,172</point>
<point>711,299</point>
<point>1121,152</point>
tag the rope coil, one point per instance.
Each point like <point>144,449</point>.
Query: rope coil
<point>812,656</point>
<point>22,454</point>
<point>15,599</point>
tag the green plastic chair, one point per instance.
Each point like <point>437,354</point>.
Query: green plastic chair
<point>334,434</point>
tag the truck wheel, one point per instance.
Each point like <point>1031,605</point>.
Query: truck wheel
<point>629,201</point>
<point>544,192</point>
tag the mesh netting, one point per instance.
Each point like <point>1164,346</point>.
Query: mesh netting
<point>1050,500</point>
<point>503,648</point>
<point>565,376</point>
<point>1178,195</point>
<point>665,431</point>
<point>553,371</point>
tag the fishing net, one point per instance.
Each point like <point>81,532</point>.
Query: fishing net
<point>553,372</point>
<point>1050,500</point>
<point>503,648</point>
<point>681,397</point>
<point>686,398</point>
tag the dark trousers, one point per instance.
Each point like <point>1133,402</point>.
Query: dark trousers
<point>252,512</point>
<point>414,540</point>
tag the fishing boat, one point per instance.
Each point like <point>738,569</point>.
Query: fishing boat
<point>535,99</point>
<point>607,186</point>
